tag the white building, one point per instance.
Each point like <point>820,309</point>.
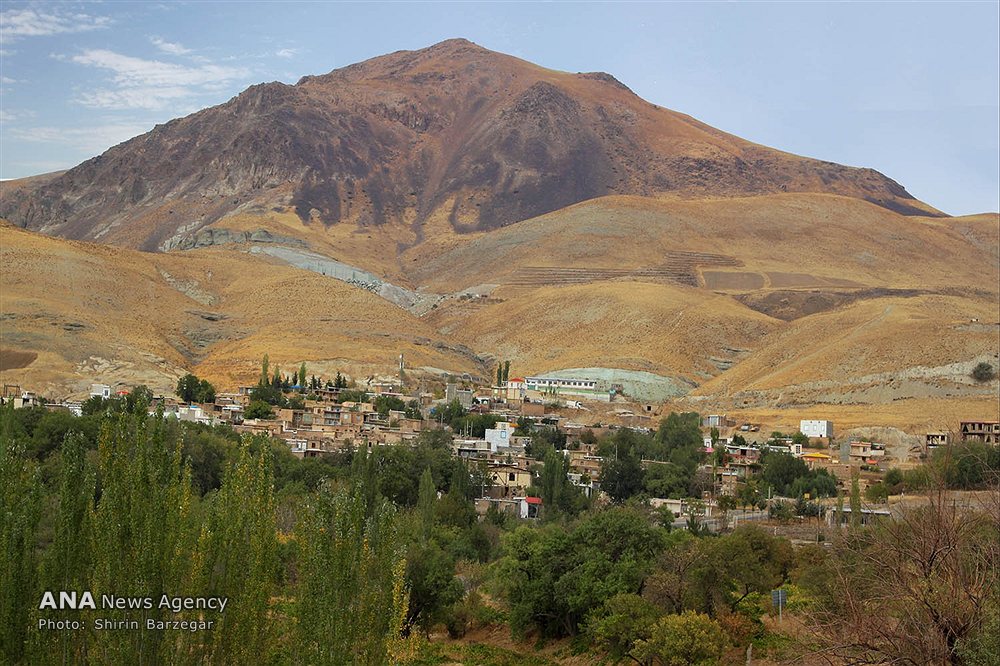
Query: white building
<point>813,428</point>
<point>100,390</point>
<point>500,435</point>
<point>585,388</point>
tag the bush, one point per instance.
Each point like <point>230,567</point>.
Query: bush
<point>983,372</point>
<point>687,639</point>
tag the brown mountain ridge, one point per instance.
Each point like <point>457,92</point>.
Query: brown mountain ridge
<point>454,130</point>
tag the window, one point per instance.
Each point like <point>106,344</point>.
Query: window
<point>512,477</point>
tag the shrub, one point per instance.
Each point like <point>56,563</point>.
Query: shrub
<point>983,372</point>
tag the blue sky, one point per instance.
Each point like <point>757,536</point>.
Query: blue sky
<point>910,89</point>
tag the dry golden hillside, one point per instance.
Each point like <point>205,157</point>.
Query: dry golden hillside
<point>76,313</point>
<point>670,330</point>
<point>790,303</point>
<point>873,351</point>
<point>779,241</point>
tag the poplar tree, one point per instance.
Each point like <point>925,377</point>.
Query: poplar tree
<point>302,376</point>
<point>426,501</point>
<point>143,531</point>
<point>350,596</point>
<point>237,558</point>
<point>855,501</point>
<point>20,509</point>
<point>68,561</point>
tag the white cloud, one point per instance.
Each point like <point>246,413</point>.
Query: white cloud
<point>7,116</point>
<point>133,98</point>
<point>87,139</point>
<point>151,84</point>
<point>286,53</point>
<point>7,79</point>
<point>17,23</point>
<point>173,48</point>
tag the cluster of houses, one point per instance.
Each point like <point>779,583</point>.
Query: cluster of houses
<point>323,424</point>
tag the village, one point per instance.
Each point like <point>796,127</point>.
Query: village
<point>315,418</point>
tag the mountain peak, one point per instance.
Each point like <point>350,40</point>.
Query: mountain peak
<point>453,131</point>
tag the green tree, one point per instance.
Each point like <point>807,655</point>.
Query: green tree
<point>350,598</point>
<point>206,392</point>
<point>237,558</point>
<point>780,470</point>
<point>426,501</point>
<point>506,371</point>
<point>188,388</point>
<point>258,409</point>
<point>302,376</point>
<point>68,560</point>
<point>855,501</point>
<point>433,588</point>
<point>622,478</point>
<point>265,367</point>
<point>688,639</point>
<point>192,389</point>
<point>620,623</point>
<point>553,578</point>
<point>144,531</point>
<point>20,510</point>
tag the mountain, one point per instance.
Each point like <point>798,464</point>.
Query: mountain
<point>453,131</point>
<point>462,207</point>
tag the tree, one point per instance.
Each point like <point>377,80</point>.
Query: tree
<point>983,372</point>
<point>553,578</point>
<point>206,392</point>
<point>913,589</point>
<point>688,639</point>
<point>506,371</point>
<point>500,374</point>
<point>302,376</point>
<point>620,623</point>
<point>192,389</point>
<point>264,368</point>
<point>144,530</point>
<point>622,478</point>
<point>781,470</point>
<point>351,598</point>
<point>258,409</point>
<point>67,562</point>
<point>340,382</point>
<point>765,562</point>
<point>20,508</point>
<point>188,388</point>
<point>426,499</point>
<point>855,501</point>
<point>237,557</point>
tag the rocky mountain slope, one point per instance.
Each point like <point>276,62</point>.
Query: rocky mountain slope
<point>454,130</point>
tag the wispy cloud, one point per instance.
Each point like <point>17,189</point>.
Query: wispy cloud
<point>7,79</point>
<point>173,48</point>
<point>286,53</point>
<point>17,23</point>
<point>86,139</point>
<point>151,84</point>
